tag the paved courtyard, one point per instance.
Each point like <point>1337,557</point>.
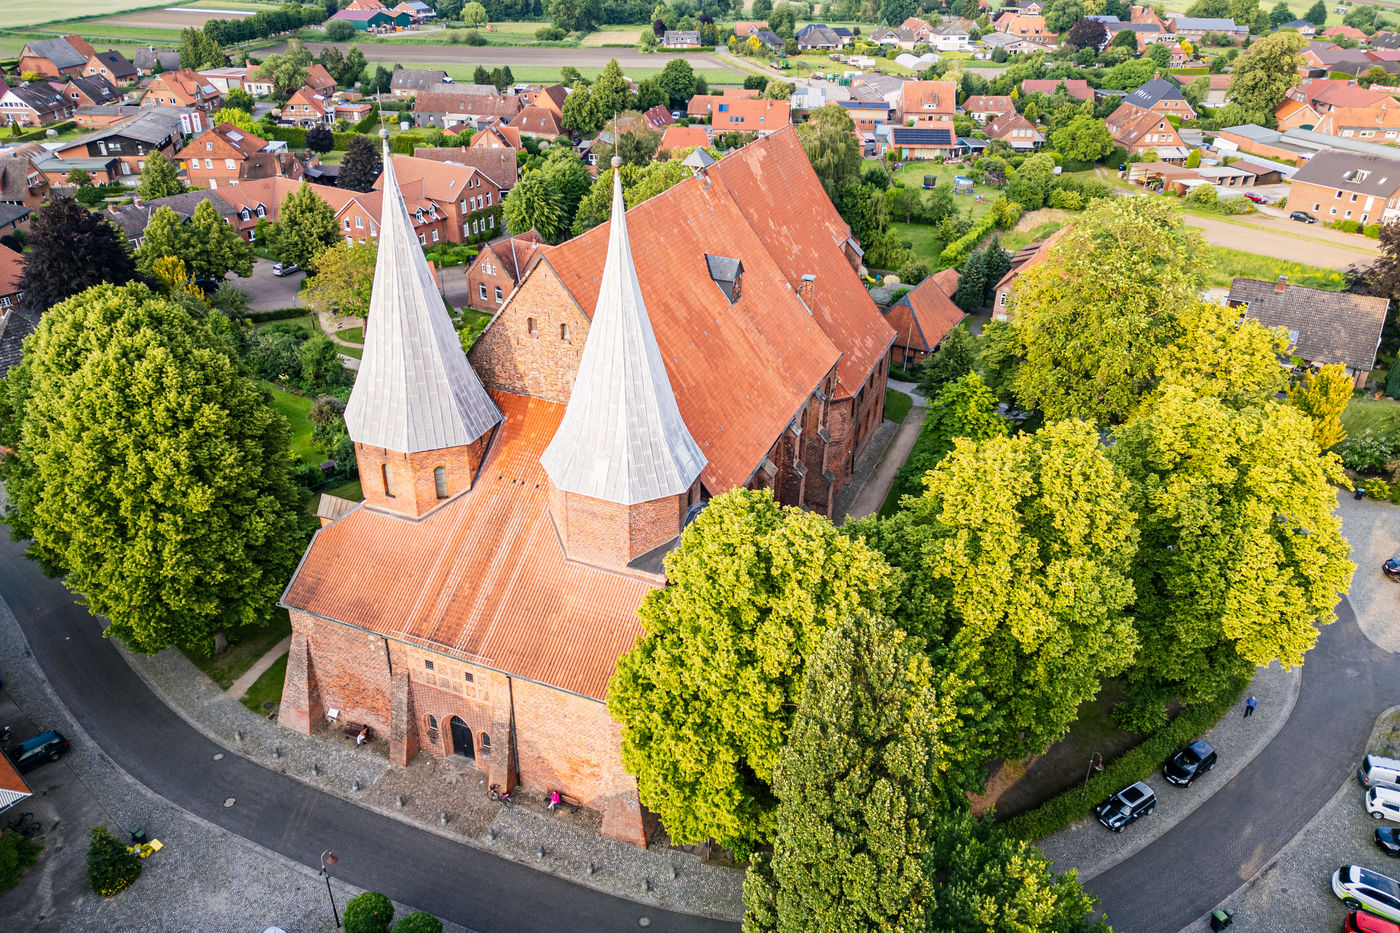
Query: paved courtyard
<point>1373,528</point>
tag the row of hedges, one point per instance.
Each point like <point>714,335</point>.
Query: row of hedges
<point>293,136</point>
<point>41,133</point>
<point>1354,226</point>
<point>955,252</point>
<point>1135,764</point>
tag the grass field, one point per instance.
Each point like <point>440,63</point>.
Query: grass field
<point>897,405</point>
<point>17,13</point>
<point>1381,415</point>
<point>547,73</point>
<point>912,176</point>
<point>245,647</point>
<point>295,409</point>
<point>1226,264</point>
<point>267,688</point>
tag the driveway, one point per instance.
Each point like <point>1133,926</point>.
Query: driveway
<point>146,739</point>
<point>267,292</point>
<point>1312,245</point>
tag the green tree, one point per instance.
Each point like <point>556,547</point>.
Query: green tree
<point>207,245</point>
<point>343,280</point>
<point>362,165</point>
<point>1094,316</point>
<point>320,364</point>
<point>1062,14</point>
<point>1323,395</point>
<point>828,138</point>
<point>151,472</point>
<point>160,178</point>
<point>637,146</point>
<point>369,912</point>
<point>760,9</point>
<point>1216,353</point>
<point>1317,14</point>
<point>639,182</point>
<point>320,139</point>
<point>199,50</point>
<point>964,407</point>
<point>533,204</point>
<point>953,359</point>
<point>677,79</point>
<point>580,113</point>
<point>1083,139</point>
<point>707,696</point>
<point>1241,556</point>
<point>239,118</point>
<point>1210,9</point>
<point>1030,186</point>
<point>650,94</point>
<point>1281,14</point>
<point>972,283</point>
<point>69,249</point>
<point>783,21</point>
<point>611,92</point>
<point>1194,159</point>
<point>1264,75</point>
<point>474,15</point>
<point>287,70</point>
<point>305,227</point>
<point>111,867</point>
<point>859,784</point>
<point>992,883</point>
<point>17,855</point>
<point>569,177</point>
<point>1017,561</point>
<point>895,12</point>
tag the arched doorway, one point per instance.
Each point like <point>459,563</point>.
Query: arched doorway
<point>462,739</point>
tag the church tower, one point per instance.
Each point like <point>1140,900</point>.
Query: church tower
<point>623,467</point>
<point>419,416</point>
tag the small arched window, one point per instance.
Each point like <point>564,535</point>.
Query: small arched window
<point>432,722</point>
<point>388,480</point>
<point>530,327</point>
<point>440,479</point>
<point>564,332</point>
<point>432,730</point>
<point>485,744</point>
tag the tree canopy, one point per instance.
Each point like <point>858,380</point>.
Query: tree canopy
<point>150,471</point>
<point>534,204</point>
<point>344,279</point>
<point>362,165</point>
<point>208,246</point>
<point>1267,71</point>
<point>707,696</point>
<point>305,226</point>
<point>1323,395</point>
<point>160,178</point>
<point>828,137</point>
<point>71,249</point>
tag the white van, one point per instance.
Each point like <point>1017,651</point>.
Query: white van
<point>1376,771</point>
<point>1383,804</point>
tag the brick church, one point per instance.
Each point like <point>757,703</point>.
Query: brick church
<point>519,500</point>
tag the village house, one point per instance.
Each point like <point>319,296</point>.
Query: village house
<point>319,79</point>
<point>231,78</point>
<point>21,183</point>
<point>131,141</point>
<point>497,135</point>
<point>36,104</point>
<point>1324,327</point>
<point>868,115</point>
<point>1196,27</point>
<point>1022,26</point>
<point>745,28</point>
<point>406,82</point>
<point>358,215</point>
<point>307,108</point>
<point>1016,130</point>
<point>1027,257</point>
<point>1339,107</point>
<point>91,92</point>
<point>1304,28</point>
<point>950,37</point>
<point>225,156</point>
<point>539,122</point>
<point>1139,130</point>
<point>133,219</point>
<point>257,199</point>
<point>551,96</point>
<point>466,197</point>
<point>1346,32</point>
<point>680,39</point>
<point>1076,88</point>
<point>1162,96</point>
<point>680,138</point>
<point>11,270</point>
<point>1012,45</point>
<point>112,65</point>
<point>983,107</point>
<point>498,269</point>
<point>749,116</point>
<point>926,99</point>
<point>1339,185</point>
<point>454,449</point>
<point>182,88</point>
<point>819,37</point>
<point>443,109</point>
<point>151,60</point>
<point>923,317</point>
<point>921,143</point>
<point>65,57</point>
<point>499,165</point>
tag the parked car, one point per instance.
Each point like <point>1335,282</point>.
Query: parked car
<point>1256,198</point>
<point>47,746</point>
<point>1388,840</point>
<point>1376,771</point>
<point>285,268</point>
<point>1361,888</point>
<point>1303,216</point>
<point>1391,568</point>
<point>1129,804</point>
<point>1383,804</point>
<point>1358,921</point>
<point>1189,763</point>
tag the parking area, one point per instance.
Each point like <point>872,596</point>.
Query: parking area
<point>1373,529</point>
<point>268,292</point>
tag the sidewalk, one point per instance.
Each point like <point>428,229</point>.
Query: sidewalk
<point>447,796</point>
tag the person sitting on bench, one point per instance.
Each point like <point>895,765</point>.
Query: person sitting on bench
<point>363,736</point>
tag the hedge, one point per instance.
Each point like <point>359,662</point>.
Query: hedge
<point>405,143</point>
<point>281,314</point>
<point>1135,764</point>
<point>293,136</point>
<point>370,121</point>
<point>955,252</point>
<point>41,133</point>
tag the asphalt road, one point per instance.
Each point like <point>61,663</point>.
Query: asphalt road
<point>1347,683</point>
<point>145,738</point>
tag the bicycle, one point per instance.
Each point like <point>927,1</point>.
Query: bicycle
<point>501,795</point>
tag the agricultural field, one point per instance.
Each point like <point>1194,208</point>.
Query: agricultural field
<point>18,13</point>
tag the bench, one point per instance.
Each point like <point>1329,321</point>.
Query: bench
<point>565,801</point>
<point>352,729</point>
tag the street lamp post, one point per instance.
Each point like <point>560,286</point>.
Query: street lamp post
<point>328,858</point>
<point>1095,764</point>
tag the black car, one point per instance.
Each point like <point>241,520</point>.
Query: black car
<point>1133,801</point>
<point>1303,216</point>
<point>1189,763</point>
<point>48,746</point>
<point>1388,840</point>
<point>1391,568</point>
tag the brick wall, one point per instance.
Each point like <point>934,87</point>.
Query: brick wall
<point>607,534</point>
<point>413,476</point>
<point>513,358</point>
<point>478,277</point>
<point>350,671</point>
<point>1323,203</point>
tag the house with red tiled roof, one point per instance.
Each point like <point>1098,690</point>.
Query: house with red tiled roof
<point>1346,32</point>
<point>225,156</point>
<point>744,27</point>
<point>1026,257</point>
<point>499,165</point>
<point>1023,26</point>
<point>11,270</point>
<point>1020,133</point>
<point>182,88</point>
<point>319,79</point>
<point>520,500</point>
<point>750,116</point>
<point>1139,130</point>
<point>444,108</point>
<point>465,196</point>
<point>551,97</point>
<point>1077,88</point>
<point>983,107</point>
<point>65,56</point>
<point>677,138</point>
<point>919,99</point>
<point>540,122</point>
<point>498,269</point>
<point>1340,107</point>
<point>923,317</point>
<point>658,118</point>
<point>307,108</point>
<point>497,135</point>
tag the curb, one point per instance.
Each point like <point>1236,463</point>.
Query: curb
<point>1345,788</point>
<point>476,843</point>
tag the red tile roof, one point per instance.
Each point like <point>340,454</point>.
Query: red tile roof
<point>11,268</point>
<point>1344,94</point>
<point>1075,87</point>
<point>922,318</point>
<point>483,577</point>
<point>683,137</point>
<point>10,779</point>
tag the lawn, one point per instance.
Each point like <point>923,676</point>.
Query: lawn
<point>897,405</point>
<point>920,238</point>
<point>1381,415</point>
<point>245,647</point>
<point>352,334</point>
<point>1013,240</point>
<point>912,176</point>
<point>295,409</point>
<point>349,489</point>
<point>1226,264</point>
<point>266,692</point>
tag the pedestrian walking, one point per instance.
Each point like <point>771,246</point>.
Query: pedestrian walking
<point>1249,706</point>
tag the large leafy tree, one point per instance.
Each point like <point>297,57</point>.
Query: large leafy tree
<point>1083,139</point>
<point>534,204</point>
<point>1317,13</point>
<point>344,279</point>
<point>1323,395</point>
<point>707,696</point>
<point>677,79</point>
<point>362,165</point>
<point>580,111</point>
<point>1217,353</point>
<point>1017,560</point>
<point>1095,315</point>
<point>611,93</point>
<point>150,471</point>
<point>160,178</point>
<point>1060,15</point>
<point>964,407</point>
<point>569,177</point>
<point>639,182</point>
<point>1241,556</point>
<point>208,246</point>
<point>242,119</point>
<point>1265,74</point>
<point>953,359</point>
<point>305,226</point>
<point>198,50</point>
<point>71,249</point>
<point>286,70</point>
<point>828,138</point>
<point>859,785</point>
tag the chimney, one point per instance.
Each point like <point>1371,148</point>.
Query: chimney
<point>1280,285</point>
<point>804,290</point>
<point>136,200</point>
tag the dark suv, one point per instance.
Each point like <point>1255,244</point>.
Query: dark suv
<point>1127,805</point>
<point>1303,217</point>
<point>49,746</point>
<point>1189,763</point>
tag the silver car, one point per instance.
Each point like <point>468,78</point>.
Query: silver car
<point>1362,888</point>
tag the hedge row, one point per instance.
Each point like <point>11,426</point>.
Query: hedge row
<point>281,314</point>
<point>955,252</point>
<point>370,121</point>
<point>1135,764</point>
<point>41,133</point>
<point>293,136</point>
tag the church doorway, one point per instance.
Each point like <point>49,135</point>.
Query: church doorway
<point>462,739</point>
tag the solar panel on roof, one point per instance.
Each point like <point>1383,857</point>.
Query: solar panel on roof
<point>922,136</point>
